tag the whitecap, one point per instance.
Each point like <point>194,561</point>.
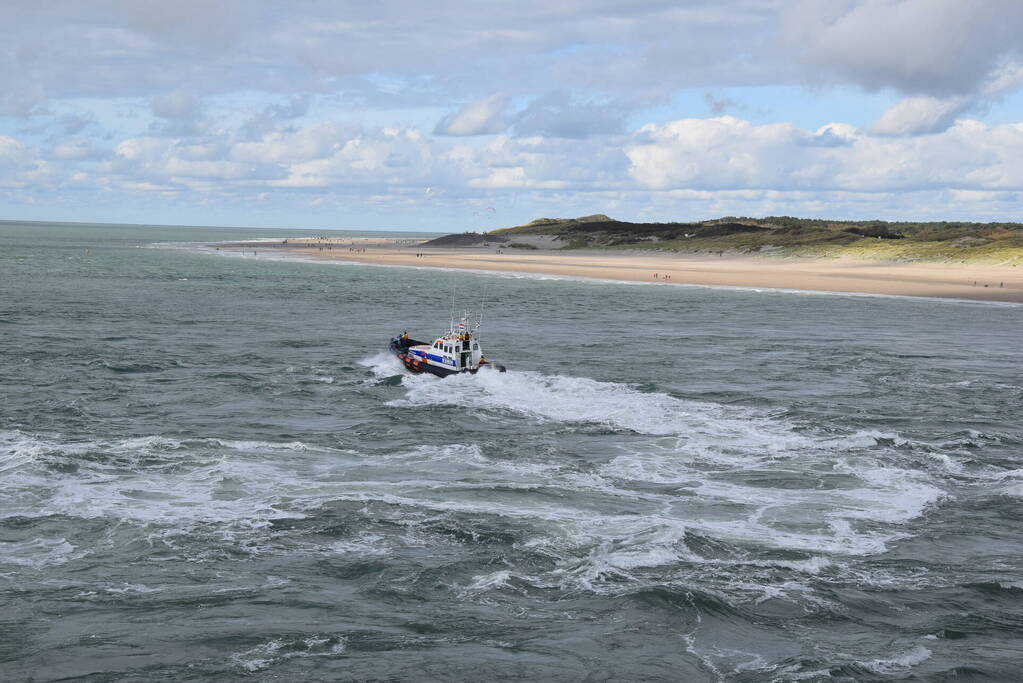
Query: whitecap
<point>277,650</point>
<point>383,365</point>
<point>899,663</point>
<point>38,553</point>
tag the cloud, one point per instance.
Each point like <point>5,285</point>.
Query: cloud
<point>20,166</point>
<point>722,154</point>
<point>316,141</point>
<point>481,117</point>
<point>689,159</point>
<point>274,115</point>
<point>938,48</point>
<point>166,162</point>
<point>175,105</point>
<point>12,152</point>
<point>918,115</point>
<point>559,114</point>
<point>74,150</point>
<point>179,114</point>
<point>191,24</point>
<point>718,105</point>
<point>229,101</point>
<point>555,114</point>
<point>451,52</point>
<point>406,54</point>
<point>728,153</point>
<point>716,153</point>
<point>1005,79</point>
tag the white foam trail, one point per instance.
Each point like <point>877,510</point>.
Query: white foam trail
<point>383,364</point>
<point>1013,483</point>
<point>604,531</point>
<point>365,545</point>
<point>899,663</point>
<point>131,589</point>
<point>656,546</point>
<point>894,495</point>
<point>151,479</point>
<point>243,445</point>
<point>277,650</point>
<point>483,583</point>
<point>38,553</point>
<point>779,517</point>
<point>706,433</point>
<point>618,406</point>
<point>698,447</point>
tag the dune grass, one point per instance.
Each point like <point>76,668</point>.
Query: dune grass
<point>788,236</point>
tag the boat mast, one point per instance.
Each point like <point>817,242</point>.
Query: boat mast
<point>451,324</point>
<point>479,318</point>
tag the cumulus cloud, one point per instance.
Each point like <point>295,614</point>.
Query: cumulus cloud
<point>20,166</point>
<point>722,154</point>
<point>715,153</point>
<point>12,152</point>
<point>386,158</point>
<point>678,169</point>
<point>166,162</point>
<point>484,116</point>
<point>556,114</point>
<point>535,98</point>
<point>917,115</point>
<point>273,115</point>
<point>726,153</point>
<point>178,113</point>
<point>312,142</point>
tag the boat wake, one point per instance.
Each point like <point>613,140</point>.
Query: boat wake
<point>676,482</point>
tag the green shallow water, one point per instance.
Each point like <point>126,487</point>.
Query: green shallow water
<point>210,470</point>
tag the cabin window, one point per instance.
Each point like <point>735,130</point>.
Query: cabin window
<point>475,346</point>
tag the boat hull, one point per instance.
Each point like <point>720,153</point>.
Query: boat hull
<point>400,347</point>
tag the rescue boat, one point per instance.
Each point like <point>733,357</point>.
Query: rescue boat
<point>456,351</point>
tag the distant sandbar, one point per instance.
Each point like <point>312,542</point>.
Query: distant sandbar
<point>977,281</point>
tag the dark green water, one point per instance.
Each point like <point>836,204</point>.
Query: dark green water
<point>209,470</point>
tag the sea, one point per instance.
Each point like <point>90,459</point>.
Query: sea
<point>212,470</point>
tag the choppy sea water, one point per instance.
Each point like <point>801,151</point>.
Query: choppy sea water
<point>210,470</point>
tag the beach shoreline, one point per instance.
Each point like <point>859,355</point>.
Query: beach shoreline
<point>966,281</point>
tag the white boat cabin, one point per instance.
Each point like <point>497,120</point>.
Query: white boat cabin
<point>456,351</point>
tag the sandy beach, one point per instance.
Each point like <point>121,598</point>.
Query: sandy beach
<point>989,282</point>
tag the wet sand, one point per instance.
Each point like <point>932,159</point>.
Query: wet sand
<point>987,282</point>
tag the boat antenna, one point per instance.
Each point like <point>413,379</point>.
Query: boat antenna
<point>451,325</point>
<point>483,307</point>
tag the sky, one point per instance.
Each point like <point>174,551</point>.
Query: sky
<point>472,115</point>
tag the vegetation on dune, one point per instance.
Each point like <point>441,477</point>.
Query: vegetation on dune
<point>465,239</point>
<point>790,236</point>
